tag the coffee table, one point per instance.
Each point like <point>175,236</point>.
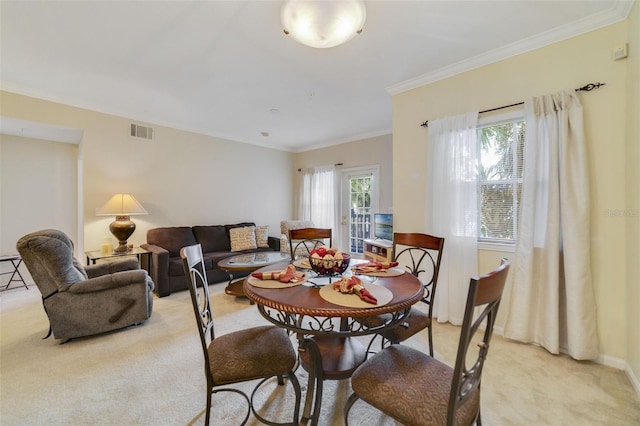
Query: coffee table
<point>248,263</point>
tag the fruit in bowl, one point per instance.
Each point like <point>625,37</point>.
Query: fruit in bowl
<point>328,261</point>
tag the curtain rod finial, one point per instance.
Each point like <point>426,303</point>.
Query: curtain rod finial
<point>589,87</point>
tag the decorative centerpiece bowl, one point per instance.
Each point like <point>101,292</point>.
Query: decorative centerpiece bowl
<point>328,261</point>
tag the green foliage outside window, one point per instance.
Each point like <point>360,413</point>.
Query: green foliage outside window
<point>360,210</point>
<point>500,180</point>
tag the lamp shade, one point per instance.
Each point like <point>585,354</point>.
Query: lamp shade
<point>323,24</point>
<point>121,205</point>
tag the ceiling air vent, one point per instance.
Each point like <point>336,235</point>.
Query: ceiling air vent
<point>139,131</point>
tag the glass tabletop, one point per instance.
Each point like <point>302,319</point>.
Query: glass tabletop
<point>99,254</point>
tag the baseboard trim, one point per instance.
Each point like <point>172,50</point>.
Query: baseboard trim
<point>635,382</point>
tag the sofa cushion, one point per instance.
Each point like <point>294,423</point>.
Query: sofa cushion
<point>212,238</point>
<point>262,236</point>
<point>176,269</point>
<point>172,238</point>
<point>243,238</point>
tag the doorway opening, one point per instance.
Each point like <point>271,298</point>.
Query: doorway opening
<point>359,200</point>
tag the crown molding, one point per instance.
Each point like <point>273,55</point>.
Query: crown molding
<point>611,16</point>
<point>151,121</point>
<point>354,138</point>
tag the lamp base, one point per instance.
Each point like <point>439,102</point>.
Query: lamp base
<point>122,248</point>
<point>122,228</point>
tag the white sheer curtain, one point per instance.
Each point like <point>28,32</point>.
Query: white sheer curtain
<point>452,209</point>
<point>552,301</point>
<point>317,196</point>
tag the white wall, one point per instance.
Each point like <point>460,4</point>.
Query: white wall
<point>38,188</point>
<point>633,194</point>
<point>376,151</point>
<point>365,152</point>
<point>561,66</point>
<point>181,178</point>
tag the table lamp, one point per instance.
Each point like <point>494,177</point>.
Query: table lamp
<point>121,206</point>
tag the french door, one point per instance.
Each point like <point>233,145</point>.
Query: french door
<point>359,200</point>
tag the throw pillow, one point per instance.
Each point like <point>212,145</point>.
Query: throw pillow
<point>243,238</point>
<point>262,236</point>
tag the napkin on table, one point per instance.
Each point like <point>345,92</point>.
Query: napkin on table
<point>353,284</point>
<point>289,275</point>
<point>374,266</point>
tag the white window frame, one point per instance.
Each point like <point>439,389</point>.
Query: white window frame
<point>484,244</point>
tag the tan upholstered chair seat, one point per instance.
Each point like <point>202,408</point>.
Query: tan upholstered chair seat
<point>251,354</point>
<point>384,379</point>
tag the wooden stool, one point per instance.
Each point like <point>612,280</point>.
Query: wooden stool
<point>15,260</point>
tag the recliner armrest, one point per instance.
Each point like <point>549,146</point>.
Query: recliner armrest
<point>109,281</point>
<point>128,264</point>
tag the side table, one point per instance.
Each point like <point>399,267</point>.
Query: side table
<point>144,256</point>
<point>15,260</point>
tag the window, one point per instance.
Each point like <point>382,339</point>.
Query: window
<point>500,180</point>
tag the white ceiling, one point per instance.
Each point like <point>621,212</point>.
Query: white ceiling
<point>225,68</point>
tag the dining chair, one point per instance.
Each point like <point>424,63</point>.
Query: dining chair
<point>260,352</point>
<point>303,241</point>
<point>415,388</point>
<point>421,255</point>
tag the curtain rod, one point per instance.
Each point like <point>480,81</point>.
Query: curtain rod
<point>335,165</point>
<point>587,88</point>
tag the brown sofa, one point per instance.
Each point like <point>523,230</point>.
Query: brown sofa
<point>165,243</point>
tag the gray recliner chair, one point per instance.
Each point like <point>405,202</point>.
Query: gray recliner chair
<point>82,301</point>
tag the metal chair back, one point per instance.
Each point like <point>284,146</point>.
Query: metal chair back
<point>484,291</point>
<point>306,239</point>
<point>195,272</point>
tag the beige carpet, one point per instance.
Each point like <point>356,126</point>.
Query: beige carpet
<point>152,375</point>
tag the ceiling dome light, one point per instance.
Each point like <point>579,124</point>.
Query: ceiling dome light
<point>323,23</point>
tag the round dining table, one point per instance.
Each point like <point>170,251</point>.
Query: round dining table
<point>325,330</point>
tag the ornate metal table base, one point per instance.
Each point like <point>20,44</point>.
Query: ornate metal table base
<point>328,350</point>
<point>326,332</point>
<point>326,358</point>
